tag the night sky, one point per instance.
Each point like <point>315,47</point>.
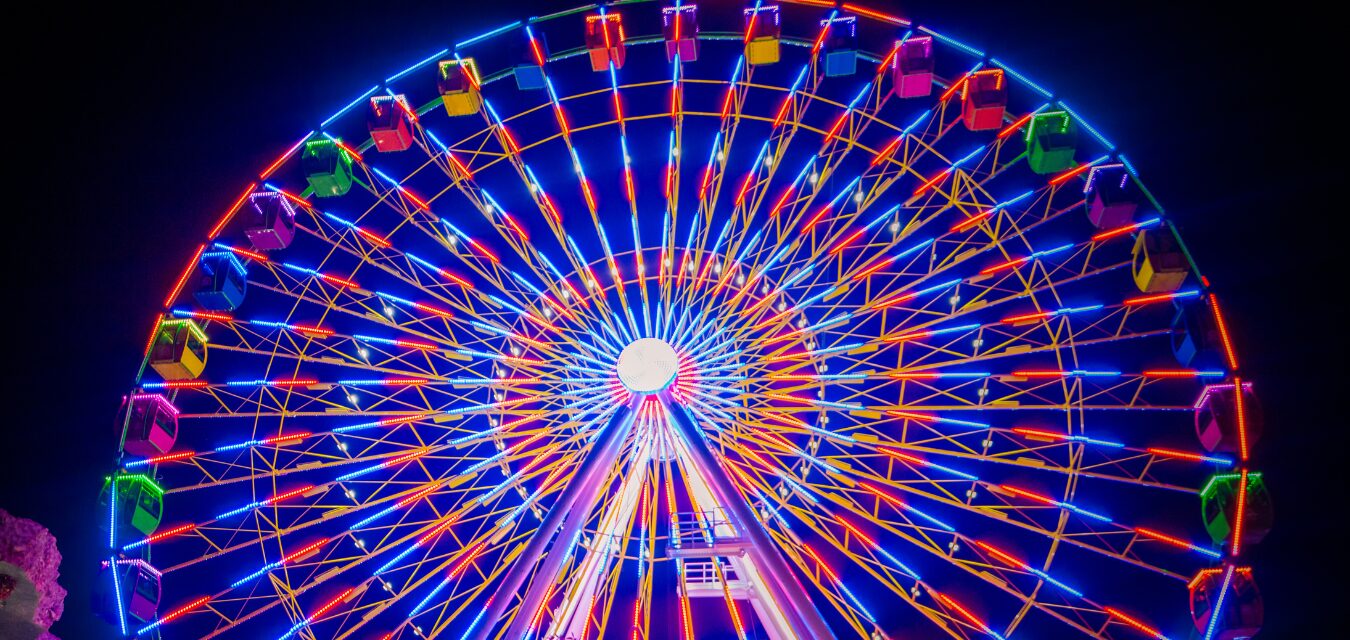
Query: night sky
<point>133,129</point>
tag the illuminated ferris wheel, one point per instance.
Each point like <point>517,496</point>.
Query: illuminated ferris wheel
<point>789,320</point>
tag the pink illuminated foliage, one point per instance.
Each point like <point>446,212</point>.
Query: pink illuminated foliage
<point>30,547</point>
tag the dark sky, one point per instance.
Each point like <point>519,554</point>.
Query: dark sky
<point>145,123</point>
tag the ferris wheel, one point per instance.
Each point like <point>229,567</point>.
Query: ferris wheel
<point>776,320</point>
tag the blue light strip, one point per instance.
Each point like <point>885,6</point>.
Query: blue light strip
<point>953,42</point>
<point>416,66</point>
<point>495,32</point>
<point>1023,79</point>
<point>349,106</point>
<point>117,595</point>
<point>1217,612</point>
<point>1083,123</point>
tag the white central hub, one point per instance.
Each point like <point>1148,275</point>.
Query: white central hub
<point>648,365</point>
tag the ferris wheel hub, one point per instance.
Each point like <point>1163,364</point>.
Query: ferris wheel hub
<point>647,365</point>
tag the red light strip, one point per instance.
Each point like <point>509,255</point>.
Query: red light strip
<point>965,613</point>
<point>1005,265</point>
<point>404,382</point>
<point>1181,455</point>
<point>863,11</point>
<point>970,222</point>
<point>470,71</point>
<point>402,103</point>
<point>169,533</point>
<point>1037,433</point>
<point>437,530</point>
<point>510,140</point>
<point>820,563</point>
<point>1040,374</point>
<point>511,222</point>
<point>1239,405</point>
<point>187,271</point>
<point>750,28</point>
<point>882,494</point>
<point>881,264</point>
<point>838,124</point>
<point>559,308</point>
<point>886,152</point>
<point>1001,555</point>
<point>886,62</point>
<point>1027,317</point>
<point>1118,231</point>
<point>936,179</point>
<point>171,457</point>
<point>1162,537</point>
<point>1067,175</point>
<point>304,551</point>
<point>218,317</point>
<point>782,111</point>
<point>910,416</point>
<point>416,200</point>
<point>417,496</point>
<point>745,186</point>
<point>541,322</point>
<point>1177,373</point>
<point>894,300</point>
<point>414,345</point>
<point>331,604</point>
<point>1029,495</point>
<point>820,215</point>
<point>1223,333</point>
<point>400,419</point>
<point>468,558</point>
<point>956,86</point>
<point>273,167</point>
<point>782,200</point>
<point>247,254</point>
<point>1201,575</point>
<point>1014,126</point>
<point>350,151</point>
<point>315,331</point>
<point>587,193</point>
<point>286,438</point>
<point>374,238</point>
<point>854,530</point>
<point>908,336</point>
<point>331,279</point>
<point>530,341</point>
<point>1149,299</point>
<point>1240,513</point>
<point>184,384</point>
<point>294,198</point>
<point>459,165</point>
<point>183,610</point>
<point>904,456</point>
<point>1116,613</point>
<point>550,208</point>
<point>229,214</point>
<point>847,241</point>
<point>820,39</point>
<point>286,496</point>
<point>490,256</point>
